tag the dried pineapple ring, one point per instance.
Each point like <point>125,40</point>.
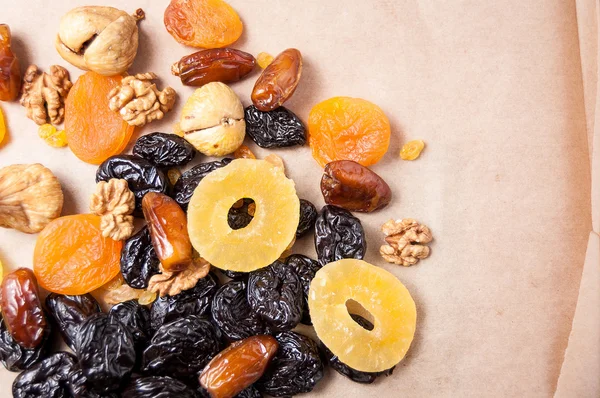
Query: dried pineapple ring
<point>269,233</point>
<point>381,294</point>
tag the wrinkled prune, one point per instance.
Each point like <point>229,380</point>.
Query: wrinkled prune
<point>187,183</point>
<point>182,348</point>
<point>158,387</point>
<point>296,368</point>
<point>68,312</point>
<point>250,392</point>
<point>78,388</point>
<point>195,301</point>
<point>338,235</point>
<point>136,319</point>
<point>234,274</point>
<point>106,352</point>
<point>308,216</point>
<point>164,150</point>
<point>22,309</point>
<point>141,176</point>
<point>275,293</point>
<point>16,358</point>
<point>305,268</point>
<point>275,129</point>
<point>239,217</point>
<point>139,260</point>
<point>46,379</point>
<point>342,368</point>
<point>232,313</point>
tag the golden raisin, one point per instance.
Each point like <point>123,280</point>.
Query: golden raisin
<point>243,152</point>
<point>412,150</point>
<point>173,175</point>
<point>48,133</point>
<point>264,59</point>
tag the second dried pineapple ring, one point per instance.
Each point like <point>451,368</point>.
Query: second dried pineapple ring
<point>269,233</point>
<point>343,283</point>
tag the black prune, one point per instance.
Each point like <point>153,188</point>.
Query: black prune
<point>195,301</point>
<point>234,274</point>
<point>47,378</point>
<point>338,235</point>
<point>189,180</point>
<point>250,392</point>
<point>238,217</point>
<point>141,176</point>
<point>139,260</point>
<point>275,294</point>
<point>106,352</point>
<point>164,150</point>
<point>16,358</point>
<point>343,369</point>
<point>308,216</point>
<point>182,348</point>
<point>296,368</point>
<point>78,388</point>
<point>158,387</point>
<point>274,129</point>
<point>232,313</point>
<point>136,319</point>
<point>305,268</point>
<point>68,312</point>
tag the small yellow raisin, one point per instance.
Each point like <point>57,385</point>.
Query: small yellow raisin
<point>173,175</point>
<point>264,59</point>
<point>412,149</point>
<point>243,152</point>
<point>2,126</point>
<point>48,133</point>
<point>147,298</point>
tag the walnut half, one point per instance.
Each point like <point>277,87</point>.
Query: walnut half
<point>30,197</point>
<point>114,202</point>
<point>44,94</point>
<point>406,241</point>
<point>172,283</point>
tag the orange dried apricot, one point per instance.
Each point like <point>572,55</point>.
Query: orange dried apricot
<point>344,128</point>
<point>203,23</point>
<point>72,257</point>
<point>94,132</point>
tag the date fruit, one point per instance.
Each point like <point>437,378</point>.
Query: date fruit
<point>168,229</point>
<point>275,129</point>
<point>278,81</point>
<point>16,358</point>
<point>10,73</point>
<point>238,366</point>
<point>22,309</point>
<point>225,65</point>
<point>46,379</point>
<point>68,312</point>
<point>349,185</point>
<point>338,235</point>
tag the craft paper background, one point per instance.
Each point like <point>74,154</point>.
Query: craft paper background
<point>494,89</point>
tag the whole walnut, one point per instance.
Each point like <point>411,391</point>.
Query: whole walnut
<point>100,39</point>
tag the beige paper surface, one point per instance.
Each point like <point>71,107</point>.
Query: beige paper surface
<point>493,88</point>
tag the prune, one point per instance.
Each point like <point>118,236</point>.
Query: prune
<point>195,301</point>
<point>136,319</point>
<point>234,274</point>
<point>305,268</point>
<point>187,183</point>
<point>16,358</point>
<point>353,187</point>
<point>78,388</point>
<point>21,307</point>
<point>278,81</point>
<point>250,392</point>
<point>46,379</point>
<point>139,260</point>
<point>182,348</point>
<point>141,176</point>
<point>68,312</point>
<point>275,293</point>
<point>232,313</point>
<point>296,368</point>
<point>342,368</point>
<point>338,235</point>
<point>106,352</point>
<point>225,65</point>
<point>158,387</point>
<point>164,150</point>
<point>274,129</point>
<point>308,216</point>
<point>239,217</point>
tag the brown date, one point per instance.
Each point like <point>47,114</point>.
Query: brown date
<point>352,186</point>
<point>225,65</point>
<point>168,229</point>
<point>238,366</point>
<point>22,309</point>
<point>278,81</point>
<point>10,73</point>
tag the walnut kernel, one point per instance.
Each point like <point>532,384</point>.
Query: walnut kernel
<point>172,283</point>
<point>406,241</point>
<point>114,201</point>
<point>44,94</point>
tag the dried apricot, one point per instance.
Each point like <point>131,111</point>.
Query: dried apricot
<point>72,257</point>
<point>94,132</point>
<point>203,23</point>
<point>344,128</point>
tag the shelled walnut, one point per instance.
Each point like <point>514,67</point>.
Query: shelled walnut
<point>172,283</point>
<point>44,94</point>
<point>114,202</point>
<point>406,241</point>
<point>138,101</point>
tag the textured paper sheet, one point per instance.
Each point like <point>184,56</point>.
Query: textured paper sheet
<point>493,88</point>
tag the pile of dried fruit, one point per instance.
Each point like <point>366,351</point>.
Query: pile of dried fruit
<point>202,300</point>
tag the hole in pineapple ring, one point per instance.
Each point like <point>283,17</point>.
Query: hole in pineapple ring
<point>360,314</point>
<point>241,213</point>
